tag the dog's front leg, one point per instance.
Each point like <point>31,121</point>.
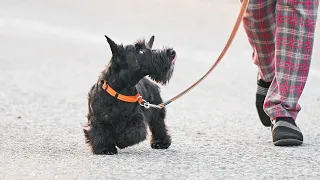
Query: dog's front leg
<point>160,138</point>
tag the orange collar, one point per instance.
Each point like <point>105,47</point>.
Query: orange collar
<point>112,92</point>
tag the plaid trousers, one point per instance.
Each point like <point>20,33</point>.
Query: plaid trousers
<point>281,33</point>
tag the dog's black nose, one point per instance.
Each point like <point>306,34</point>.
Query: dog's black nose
<point>172,53</point>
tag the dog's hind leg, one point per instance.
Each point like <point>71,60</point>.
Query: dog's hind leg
<point>134,132</point>
<point>100,137</point>
<point>160,138</point>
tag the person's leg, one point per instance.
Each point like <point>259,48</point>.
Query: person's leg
<point>295,27</point>
<point>259,24</point>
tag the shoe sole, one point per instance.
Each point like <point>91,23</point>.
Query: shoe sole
<point>288,142</point>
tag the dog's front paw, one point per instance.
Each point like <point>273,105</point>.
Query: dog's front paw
<point>160,143</point>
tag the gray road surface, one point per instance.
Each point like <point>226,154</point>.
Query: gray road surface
<point>52,51</point>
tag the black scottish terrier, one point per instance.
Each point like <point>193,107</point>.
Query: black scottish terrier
<point>117,117</point>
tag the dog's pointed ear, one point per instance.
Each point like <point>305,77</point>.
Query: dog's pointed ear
<point>113,45</point>
<point>150,43</point>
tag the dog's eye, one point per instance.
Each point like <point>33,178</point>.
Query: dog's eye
<point>141,52</point>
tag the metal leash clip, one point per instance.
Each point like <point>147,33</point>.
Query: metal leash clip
<point>147,105</point>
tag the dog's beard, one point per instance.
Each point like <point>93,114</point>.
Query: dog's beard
<point>161,68</point>
<point>162,77</point>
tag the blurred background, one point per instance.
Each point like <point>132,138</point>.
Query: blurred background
<point>52,51</point>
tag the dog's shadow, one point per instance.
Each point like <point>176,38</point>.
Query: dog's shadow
<point>144,149</point>
<point>147,152</point>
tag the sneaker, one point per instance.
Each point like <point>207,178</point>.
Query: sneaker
<point>261,94</point>
<point>285,132</point>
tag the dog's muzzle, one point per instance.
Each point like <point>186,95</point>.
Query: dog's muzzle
<point>173,55</point>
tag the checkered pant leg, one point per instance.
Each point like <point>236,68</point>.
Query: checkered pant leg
<point>295,27</point>
<point>259,24</point>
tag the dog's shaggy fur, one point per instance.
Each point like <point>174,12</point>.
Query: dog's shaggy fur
<point>114,123</point>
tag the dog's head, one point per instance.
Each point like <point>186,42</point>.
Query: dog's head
<point>139,59</point>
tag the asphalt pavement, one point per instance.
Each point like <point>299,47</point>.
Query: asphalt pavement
<point>51,52</point>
